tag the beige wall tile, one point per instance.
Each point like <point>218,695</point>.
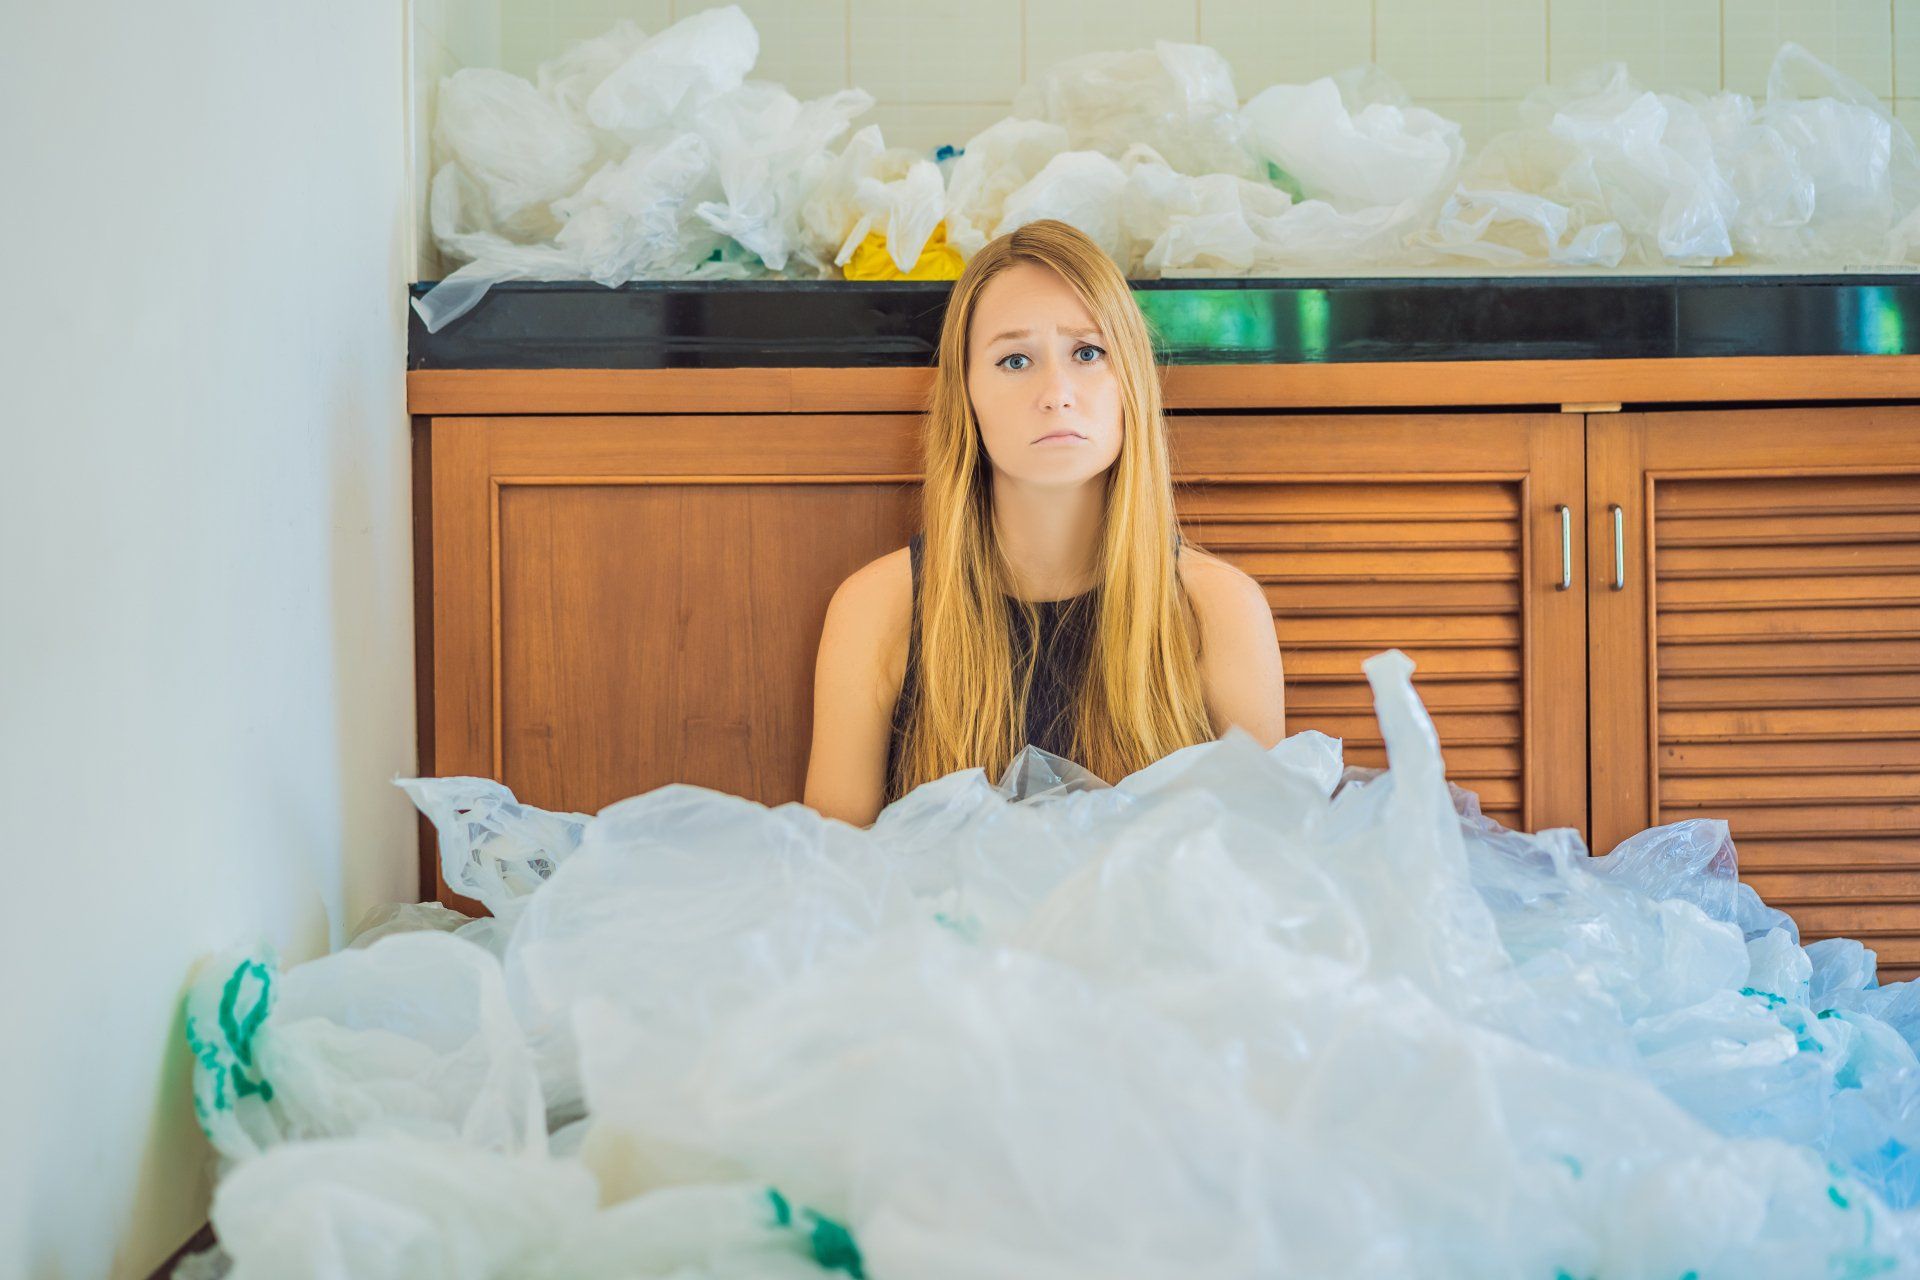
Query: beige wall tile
<point>937,50</point>
<point>1060,29</point>
<point>471,33</point>
<point>1463,48</point>
<point>1666,44</point>
<point>1271,42</point>
<point>927,127</point>
<point>1906,48</point>
<point>1479,118</point>
<point>531,31</point>
<point>1856,36</point>
<point>803,43</point>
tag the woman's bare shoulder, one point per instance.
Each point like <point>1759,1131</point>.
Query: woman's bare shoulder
<point>1212,581</point>
<point>881,590</point>
<point>875,604</point>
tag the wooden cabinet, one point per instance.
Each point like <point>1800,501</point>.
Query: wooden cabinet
<point>1756,650</point>
<point>622,592</point>
<point>623,602</point>
<point>1438,534</point>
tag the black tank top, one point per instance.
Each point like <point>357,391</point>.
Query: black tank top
<point>1065,628</point>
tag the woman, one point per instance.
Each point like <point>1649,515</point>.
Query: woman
<point>1049,597</point>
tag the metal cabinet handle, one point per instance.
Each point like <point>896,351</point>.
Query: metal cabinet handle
<point>1566,547</point>
<point>1619,546</point>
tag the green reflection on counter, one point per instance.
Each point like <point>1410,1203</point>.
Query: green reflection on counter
<point>1883,325</point>
<point>1257,325</point>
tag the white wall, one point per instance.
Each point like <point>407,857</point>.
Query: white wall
<point>205,600</point>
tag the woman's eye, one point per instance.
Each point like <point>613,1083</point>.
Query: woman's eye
<point>1003,360</point>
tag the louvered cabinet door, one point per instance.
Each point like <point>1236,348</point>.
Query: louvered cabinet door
<point>1759,658</point>
<point>1437,534</point>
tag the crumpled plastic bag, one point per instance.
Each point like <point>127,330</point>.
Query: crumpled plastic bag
<point>634,157</point>
<point>1605,173</point>
<point>1243,1013</point>
<point>412,1034</point>
<point>401,1208</point>
<point>1349,170</point>
<point>996,162</point>
<point>875,197</point>
<point>655,157</point>
<point>1176,98</point>
<point>493,848</point>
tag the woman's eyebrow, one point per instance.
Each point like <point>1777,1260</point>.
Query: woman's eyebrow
<point>1021,333</point>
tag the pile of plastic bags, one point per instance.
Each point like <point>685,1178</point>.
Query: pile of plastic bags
<point>1244,1014</point>
<point>634,157</point>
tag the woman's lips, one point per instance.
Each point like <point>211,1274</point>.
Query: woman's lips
<point>1060,436</point>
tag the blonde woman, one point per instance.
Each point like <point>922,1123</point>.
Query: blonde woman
<point>1048,597</point>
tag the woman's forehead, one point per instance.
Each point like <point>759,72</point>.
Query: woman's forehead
<point>1032,298</point>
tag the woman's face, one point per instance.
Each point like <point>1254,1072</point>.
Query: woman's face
<point>1037,365</point>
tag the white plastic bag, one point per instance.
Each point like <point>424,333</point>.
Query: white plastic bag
<point>396,1208</point>
<point>410,1035</point>
<point>1354,140</point>
<point>493,848</point>
<point>1241,1013</point>
<point>522,150</point>
<point>1176,98</point>
<point>871,187</point>
<point>995,163</point>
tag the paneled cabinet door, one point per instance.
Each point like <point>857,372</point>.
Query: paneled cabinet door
<point>1448,536</point>
<point>1754,597</point>
<point>623,602</point>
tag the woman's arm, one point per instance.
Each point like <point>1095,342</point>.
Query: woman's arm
<point>852,713</point>
<point>1240,656</point>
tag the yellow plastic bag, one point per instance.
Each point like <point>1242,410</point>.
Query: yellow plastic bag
<point>937,261</point>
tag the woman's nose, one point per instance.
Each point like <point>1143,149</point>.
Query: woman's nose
<point>1058,392</point>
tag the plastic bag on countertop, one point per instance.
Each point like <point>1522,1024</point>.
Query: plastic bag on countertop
<point>635,157</point>
<point>1354,140</point>
<point>1605,173</point>
<point>1354,171</point>
<point>996,162</point>
<point>670,78</point>
<point>1176,98</point>
<point>519,150</point>
<point>874,194</point>
<point>1601,173</point>
<point>770,152</point>
<point>1830,176</point>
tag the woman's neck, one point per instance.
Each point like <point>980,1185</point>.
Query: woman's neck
<point>1050,537</point>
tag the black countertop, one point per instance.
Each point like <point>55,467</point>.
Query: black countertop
<point>1235,320</point>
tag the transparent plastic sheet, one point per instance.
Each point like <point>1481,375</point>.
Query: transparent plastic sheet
<point>1244,1013</point>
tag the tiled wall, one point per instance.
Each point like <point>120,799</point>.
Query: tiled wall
<point>943,69</point>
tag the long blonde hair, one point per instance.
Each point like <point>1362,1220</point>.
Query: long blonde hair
<point>1141,697</point>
